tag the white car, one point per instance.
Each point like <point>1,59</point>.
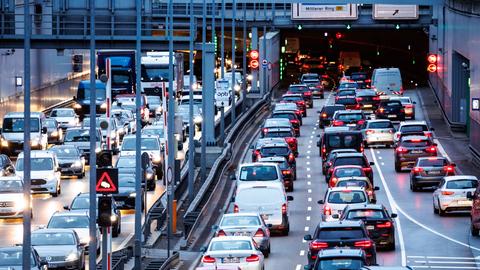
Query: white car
<point>151,145</point>
<point>451,194</point>
<point>12,202</point>
<point>337,198</point>
<point>66,117</point>
<point>239,251</point>
<point>258,173</point>
<point>413,126</point>
<point>45,172</point>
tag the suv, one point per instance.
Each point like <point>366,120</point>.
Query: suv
<point>429,172</point>
<point>338,234</point>
<point>11,139</point>
<point>337,198</point>
<point>258,172</point>
<point>45,172</point>
<point>277,123</point>
<point>351,159</point>
<point>390,109</point>
<point>287,134</point>
<point>341,258</point>
<point>151,145</point>
<point>326,114</point>
<point>297,99</point>
<point>349,118</point>
<point>412,147</point>
<point>339,138</point>
<point>413,126</point>
<point>327,163</point>
<point>278,149</point>
<point>314,85</point>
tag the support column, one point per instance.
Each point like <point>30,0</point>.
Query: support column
<point>209,96</point>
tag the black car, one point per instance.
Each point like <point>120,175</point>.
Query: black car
<point>125,198</point>
<point>378,222</point>
<point>6,165</point>
<point>331,156</point>
<point>338,234</point>
<point>412,147</point>
<point>368,100</point>
<point>70,160</point>
<point>351,159</point>
<point>350,118</point>
<point>126,165</point>
<point>391,109</point>
<point>350,102</point>
<point>326,114</point>
<point>290,116</point>
<point>429,172</point>
<point>339,138</point>
<point>341,258</point>
<point>260,142</point>
<point>12,258</point>
<point>287,133</point>
<point>304,90</point>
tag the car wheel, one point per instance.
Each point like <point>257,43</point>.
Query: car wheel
<point>366,144</point>
<point>440,211</point>
<point>473,230</point>
<point>413,187</point>
<point>435,210</point>
<point>159,173</point>
<point>152,185</point>
<point>116,232</point>
<point>391,245</point>
<point>398,168</point>
<point>322,96</point>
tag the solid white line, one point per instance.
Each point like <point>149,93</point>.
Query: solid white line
<point>420,261</point>
<point>450,262</point>
<point>309,183</point>
<point>308,169</point>
<point>441,149</point>
<point>302,252</point>
<point>298,267</point>
<point>383,163</point>
<point>393,205</point>
<point>452,258</point>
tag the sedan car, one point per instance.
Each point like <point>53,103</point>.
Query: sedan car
<point>66,117</point>
<point>429,172</point>
<point>291,116</point>
<point>277,123</point>
<point>359,181</point>
<point>70,160</point>
<point>378,132</point>
<point>451,195</point>
<point>287,134</point>
<point>358,159</point>
<point>350,118</point>
<point>304,90</point>
<point>241,251</point>
<point>345,171</point>
<point>408,106</point>
<point>126,165</point>
<point>350,102</point>
<point>12,202</point>
<point>326,114</point>
<point>262,141</point>
<point>246,224</point>
<point>54,132</point>
<point>297,99</point>
<point>11,258</point>
<point>281,150</point>
<point>368,100</point>
<point>390,109</point>
<point>61,248</point>
<point>331,156</point>
<point>338,197</point>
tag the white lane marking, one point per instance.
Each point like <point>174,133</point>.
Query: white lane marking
<point>304,241</point>
<point>309,175</point>
<point>313,132</point>
<point>314,128</point>
<point>302,252</point>
<point>309,183</point>
<point>380,158</point>
<point>311,137</point>
<point>298,267</point>
<point>308,218</point>
<point>308,152</point>
<point>309,146</point>
<point>308,169</point>
<point>393,206</point>
<point>310,141</point>
<point>309,191</point>
<point>378,152</point>
<point>308,162</point>
<point>309,199</point>
<point>309,208</point>
<point>450,258</point>
<point>124,243</point>
<point>308,157</point>
<point>383,163</point>
<point>307,228</point>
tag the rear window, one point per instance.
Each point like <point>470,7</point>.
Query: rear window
<point>349,116</point>
<point>277,123</point>
<point>391,104</point>
<point>258,173</point>
<point>432,162</point>
<point>416,143</point>
<point>292,98</point>
<point>346,93</point>
<point>348,85</point>
<point>274,151</point>
<point>366,214</point>
<point>278,134</point>
<point>358,76</point>
<point>349,141</point>
<point>346,101</point>
<point>297,88</point>
<point>332,109</point>
<point>352,183</point>
<point>350,161</point>
<point>289,116</point>
<point>410,128</point>
<point>343,233</point>
<point>240,221</point>
<point>230,245</point>
<point>380,125</point>
<point>462,184</point>
<point>348,172</point>
<point>347,196</point>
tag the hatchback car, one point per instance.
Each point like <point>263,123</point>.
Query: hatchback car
<point>339,258</point>
<point>280,150</point>
<point>276,123</point>
<point>12,258</point>
<point>358,159</point>
<point>304,90</point>
<point>359,181</point>
<point>410,148</point>
<point>390,109</point>
<point>289,107</point>
<point>349,102</point>
<point>70,160</point>
<point>413,126</point>
<point>54,131</point>
<point>368,100</point>
<point>378,132</point>
<point>315,86</point>
<point>350,118</point>
<point>338,197</point>
<point>408,106</point>
<point>429,172</point>
<point>12,202</point>
<point>291,116</point>
<point>66,117</point>
<point>328,162</point>
<point>326,114</point>
<point>297,99</point>
<point>262,141</point>
<point>287,134</point>
<point>345,171</point>
<point>152,145</point>
<point>451,194</point>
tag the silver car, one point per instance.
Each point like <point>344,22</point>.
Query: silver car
<point>66,117</point>
<point>337,198</point>
<point>451,194</point>
<point>378,131</point>
<point>246,224</point>
<point>60,248</point>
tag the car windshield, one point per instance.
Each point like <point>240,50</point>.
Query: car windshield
<point>68,222</point>
<point>126,161</point>
<point>352,183</point>
<point>348,85</point>
<point>80,202</point>
<point>13,258</point>
<point>382,124</point>
<point>434,162</point>
<point>393,103</point>
<point>348,172</point>
<point>241,221</point>
<point>231,245</point>
<point>146,144</point>
<point>289,116</point>
<point>126,181</point>
<point>366,214</point>
<point>52,239</point>
<point>311,81</point>
<point>343,233</point>
<point>346,101</point>
<point>16,124</point>
<point>462,184</point>
<point>154,73</point>
<point>84,93</point>
<point>154,100</point>
<point>285,106</point>
<point>50,123</point>
<point>274,151</point>
<point>65,151</point>
<point>349,116</point>
<point>37,164</point>
<point>347,196</point>
<point>278,134</point>
<point>350,161</point>
<point>339,264</point>
<point>154,131</point>
<point>10,186</point>
<point>79,135</point>
<point>410,128</point>
<point>119,78</point>
<point>62,113</point>
<point>258,173</point>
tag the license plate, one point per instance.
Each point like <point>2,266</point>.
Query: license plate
<point>5,210</point>
<point>242,234</point>
<point>417,151</point>
<point>230,260</point>
<point>351,125</point>
<point>464,202</point>
<point>392,115</point>
<point>367,106</point>
<point>370,227</point>
<point>434,172</point>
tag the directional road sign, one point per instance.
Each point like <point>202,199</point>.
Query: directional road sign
<point>222,92</point>
<point>107,181</point>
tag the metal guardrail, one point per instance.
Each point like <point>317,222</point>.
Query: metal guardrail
<point>171,261</point>
<point>119,259</point>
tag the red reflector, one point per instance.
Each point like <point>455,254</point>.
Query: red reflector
<point>369,131</point>
<point>208,259</point>
<point>449,168</point>
<point>221,233</point>
<point>327,210</point>
<point>417,169</point>
<point>448,193</point>
<point>401,149</point>
<point>359,99</point>
<point>284,208</point>
<point>235,208</point>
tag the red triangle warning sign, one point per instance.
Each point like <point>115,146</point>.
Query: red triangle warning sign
<point>107,181</point>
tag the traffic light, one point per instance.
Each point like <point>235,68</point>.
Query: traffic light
<point>104,211</point>
<point>432,60</point>
<point>104,158</point>
<point>253,54</point>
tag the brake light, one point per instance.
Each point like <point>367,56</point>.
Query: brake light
<point>368,80</point>
<point>284,209</point>
<point>337,123</point>
<point>376,98</point>
<point>327,210</point>
<point>387,224</point>
<point>265,130</point>
<point>257,152</point>
<point>252,258</point>
<point>381,110</point>
<point>259,233</point>
<point>291,140</point>
<point>397,136</point>
<point>221,233</point>
<point>286,172</point>
<point>402,110</point>
<point>298,112</point>
<point>417,169</point>
<point>308,93</point>
<point>318,86</point>
<point>294,121</point>
<point>235,208</point>
<point>291,157</point>
<point>428,134</point>
<point>360,122</point>
<point>324,150</point>
<point>208,259</point>
<point>324,115</point>
<point>448,193</point>
<point>401,150</point>
<point>370,131</point>
<point>346,191</point>
<point>363,244</point>
<point>333,181</point>
<point>318,245</point>
<point>432,149</point>
<point>357,106</point>
<point>408,106</point>
<point>367,169</point>
<point>337,98</point>
<point>359,99</point>
<point>301,103</point>
<point>449,169</point>
<point>324,76</point>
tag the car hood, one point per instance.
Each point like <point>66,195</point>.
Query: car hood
<point>11,197</point>
<point>60,250</point>
<point>67,159</point>
<point>64,119</point>
<point>81,145</point>
<point>39,174</point>
<point>18,136</point>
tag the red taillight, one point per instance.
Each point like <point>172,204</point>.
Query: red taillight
<point>324,115</point>
<point>363,244</point>
<point>265,130</point>
<point>357,106</point>
<point>318,245</point>
<point>235,208</point>
<point>408,106</point>
<point>284,208</point>
<point>432,149</point>
<point>259,233</point>
<point>308,93</point>
<point>291,140</point>
<point>417,169</point>
<point>327,210</point>
<point>301,103</point>
<point>359,99</point>
<point>401,150</point>
<point>294,121</point>
<point>253,258</point>
<point>286,172</point>
<point>448,193</point>
<point>369,193</point>
<point>208,259</point>
<point>291,157</point>
<point>387,224</point>
<point>428,134</point>
<point>333,181</point>
<point>368,80</point>
<point>257,152</point>
<point>360,122</point>
<point>376,98</point>
<point>381,110</point>
<point>324,150</point>
<point>449,169</point>
<point>324,76</point>
<point>370,131</point>
<point>337,123</point>
<point>298,112</point>
<point>367,169</point>
<point>221,233</point>
<point>318,86</point>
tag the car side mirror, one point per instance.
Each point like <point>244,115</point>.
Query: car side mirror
<point>320,202</point>
<point>289,198</point>
<point>470,195</point>
<point>376,188</point>
<point>335,216</point>
<point>414,102</point>
<point>66,207</point>
<point>372,163</point>
<point>307,237</point>
<point>44,130</point>
<point>232,177</point>
<point>269,225</point>
<point>203,249</point>
<point>393,215</point>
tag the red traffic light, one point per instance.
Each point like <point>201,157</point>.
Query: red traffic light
<point>254,64</point>
<point>432,68</point>
<point>254,55</point>
<point>338,35</point>
<point>432,58</point>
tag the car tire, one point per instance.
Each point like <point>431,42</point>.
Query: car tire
<point>391,245</point>
<point>413,187</point>
<point>435,210</point>
<point>398,168</point>
<point>115,233</point>
<point>473,230</point>
<point>58,192</point>
<point>152,185</point>
<point>441,212</point>
<point>159,173</point>
<point>322,96</point>
<point>304,114</point>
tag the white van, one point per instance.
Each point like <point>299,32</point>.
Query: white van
<point>258,173</point>
<point>269,200</point>
<point>387,80</point>
<point>11,140</point>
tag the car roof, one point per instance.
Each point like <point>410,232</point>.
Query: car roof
<point>340,223</point>
<point>39,154</point>
<point>357,178</point>
<point>347,166</point>
<point>53,230</point>
<point>364,206</point>
<point>460,177</point>
<point>405,123</point>
<point>71,213</point>
<point>327,253</point>
<point>231,238</point>
<point>243,214</point>
<point>256,164</point>
<point>336,129</point>
<point>349,111</point>
<point>275,145</point>
<point>356,154</point>
<point>21,114</point>
<point>296,85</point>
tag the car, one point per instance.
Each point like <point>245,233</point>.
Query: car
<point>475,212</point>
<point>379,131</point>
<point>6,166</point>
<point>11,139</point>
<point>79,222</point>
<point>387,81</point>
<point>390,109</point>
<point>155,130</point>
<point>278,149</point>
<point>287,134</point>
<point>260,142</point>
<point>297,99</point>
<point>350,102</point>
<point>126,165</point>
<point>358,159</point>
<point>368,100</point>
<point>340,234</point>
<point>81,203</point>
<point>70,160</point>
<point>12,258</point>
<point>361,78</point>
<point>80,137</point>
<point>184,111</point>
<point>126,119</point>
<point>128,101</point>
<point>326,114</point>
<point>82,99</point>
<point>339,258</point>
<point>331,156</point>
<point>345,171</point>
<point>151,145</point>
<point>337,198</point>
<point>413,126</point>
<point>257,172</point>
<point>239,251</point>
<point>246,224</point>
<point>347,92</point>
<point>61,248</point>
<point>12,202</point>
<point>289,172</point>
<point>66,117</point>
<point>291,116</point>
<point>54,132</point>
<point>408,106</point>
<point>269,200</point>
<point>276,123</point>
<point>429,172</point>
<point>350,118</point>
<point>304,90</point>
<point>339,138</point>
<point>454,194</point>
<point>359,181</point>
<point>115,129</point>
<point>125,198</point>
<point>314,85</point>
<point>45,172</point>
<point>347,85</point>
<point>412,147</point>
<point>154,106</point>
<point>291,107</point>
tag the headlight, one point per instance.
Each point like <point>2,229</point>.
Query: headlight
<point>98,150</point>
<point>113,134</point>
<point>85,239</point>
<point>250,77</point>
<point>103,106</point>
<point>4,143</point>
<point>113,218</point>
<point>149,175</point>
<point>19,204</point>
<point>237,87</point>
<point>159,109</point>
<point>72,122</point>
<point>55,133</point>
<point>198,119</point>
<point>77,164</point>
<point>157,159</point>
<point>77,106</point>
<point>133,195</point>
<point>72,257</point>
<point>34,143</point>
